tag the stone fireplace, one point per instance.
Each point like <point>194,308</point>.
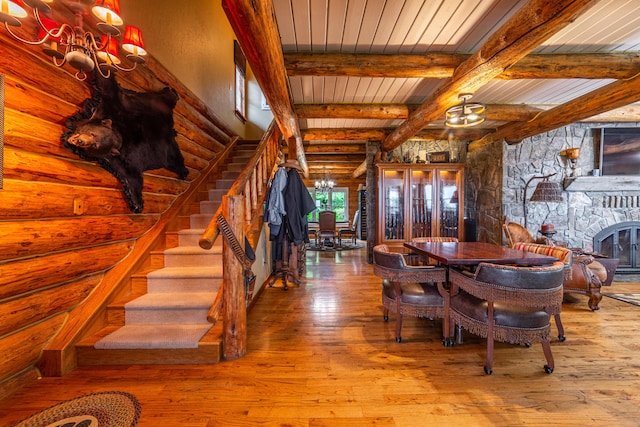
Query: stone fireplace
<point>496,176</point>
<point>621,241</point>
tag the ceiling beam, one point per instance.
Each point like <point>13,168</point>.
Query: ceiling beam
<point>254,25</point>
<point>495,112</point>
<point>530,26</point>
<point>501,112</point>
<point>335,148</point>
<point>441,65</point>
<point>606,98</point>
<point>379,134</point>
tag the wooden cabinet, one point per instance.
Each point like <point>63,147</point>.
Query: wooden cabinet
<point>419,200</point>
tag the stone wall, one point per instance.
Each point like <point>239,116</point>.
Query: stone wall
<point>496,178</point>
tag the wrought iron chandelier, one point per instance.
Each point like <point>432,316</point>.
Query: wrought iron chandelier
<point>465,114</point>
<point>79,48</point>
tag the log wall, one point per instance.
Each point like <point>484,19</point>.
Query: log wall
<point>65,223</point>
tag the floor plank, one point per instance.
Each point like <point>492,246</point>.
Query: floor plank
<point>321,355</point>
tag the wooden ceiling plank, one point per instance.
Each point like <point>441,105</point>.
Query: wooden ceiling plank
<point>255,27</point>
<point>614,95</point>
<point>524,31</point>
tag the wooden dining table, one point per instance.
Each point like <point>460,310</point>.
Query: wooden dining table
<point>470,254</point>
<point>473,253</point>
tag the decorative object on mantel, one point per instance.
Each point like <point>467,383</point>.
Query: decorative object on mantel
<point>466,113</point>
<point>572,154</point>
<point>546,191</point>
<point>439,157</point>
<point>82,50</point>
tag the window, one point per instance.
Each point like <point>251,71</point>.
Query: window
<point>241,81</point>
<point>336,200</point>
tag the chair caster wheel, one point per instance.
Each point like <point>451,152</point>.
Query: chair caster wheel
<point>548,369</point>
<point>398,339</point>
<point>487,371</point>
<point>527,344</point>
<point>562,338</point>
<point>386,318</point>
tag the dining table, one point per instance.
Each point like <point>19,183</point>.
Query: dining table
<point>468,255</point>
<point>473,253</point>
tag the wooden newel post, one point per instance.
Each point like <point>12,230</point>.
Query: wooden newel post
<point>234,306</point>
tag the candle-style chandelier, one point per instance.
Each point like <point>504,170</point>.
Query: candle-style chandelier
<point>71,44</point>
<point>325,185</point>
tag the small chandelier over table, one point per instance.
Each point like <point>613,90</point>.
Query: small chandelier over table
<point>325,185</point>
<point>79,48</point>
<point>465,114</point>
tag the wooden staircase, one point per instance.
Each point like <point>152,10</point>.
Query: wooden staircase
<point>198,274</point>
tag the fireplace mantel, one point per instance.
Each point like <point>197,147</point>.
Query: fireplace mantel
<point>603,183</point>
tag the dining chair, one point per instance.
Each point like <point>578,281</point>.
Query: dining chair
<point>326,228</point>
<point>408,290</point>
<point>351,231</point>
<point>506,303</point>
<point>583,275</point>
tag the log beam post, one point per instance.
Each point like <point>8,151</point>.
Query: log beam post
<point>234,306</point>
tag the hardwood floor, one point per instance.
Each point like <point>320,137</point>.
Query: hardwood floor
<point>321,355</point>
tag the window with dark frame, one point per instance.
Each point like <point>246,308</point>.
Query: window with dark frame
<point>241,81</point>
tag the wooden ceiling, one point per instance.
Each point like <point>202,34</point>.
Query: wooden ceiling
<point>338,73</point>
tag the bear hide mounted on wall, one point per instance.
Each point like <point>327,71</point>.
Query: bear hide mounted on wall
<point>127,133</point>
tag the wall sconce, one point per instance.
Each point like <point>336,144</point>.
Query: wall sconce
<point>465,114</point>
<point>546,191</point>
<point>573,154</point>
<point>79,48</point>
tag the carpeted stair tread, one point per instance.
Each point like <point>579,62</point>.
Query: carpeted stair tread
<point>195,250</point>
<point>186,272</point>
<point>154,336</point>
<point>172,300</point>
<point>169,307</point>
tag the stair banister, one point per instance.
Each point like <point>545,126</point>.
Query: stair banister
<point>260,166</point>
<point>245,195</point>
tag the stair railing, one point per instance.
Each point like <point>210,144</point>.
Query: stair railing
<point>241,207</point>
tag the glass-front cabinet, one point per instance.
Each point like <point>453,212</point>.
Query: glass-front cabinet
<point>393,213</point>
<point>419,200</point>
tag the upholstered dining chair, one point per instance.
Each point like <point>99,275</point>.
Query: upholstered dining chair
<point>351,231</point>
<point>408,290</point>
<point>583,275</point>
<point>506,303</point>
<point>326,228</point>
<point>563,255</point>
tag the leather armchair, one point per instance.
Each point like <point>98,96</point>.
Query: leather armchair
<point>408,290</point>
<point>504,303</point>
<point>583,275</point>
